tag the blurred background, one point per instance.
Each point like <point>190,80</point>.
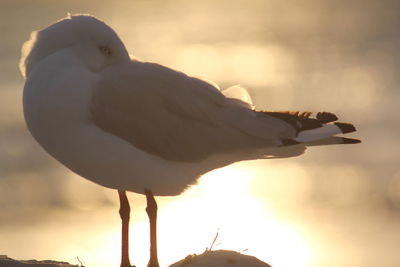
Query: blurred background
<point>333,206</point>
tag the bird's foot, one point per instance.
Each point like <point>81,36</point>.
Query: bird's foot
<point>153,264</point>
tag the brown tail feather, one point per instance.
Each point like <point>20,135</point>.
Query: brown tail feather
<point>301,120</point>
<point>326,117</point>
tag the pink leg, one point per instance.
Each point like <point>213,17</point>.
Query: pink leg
<point>151,210</point>
<point>124,211</point>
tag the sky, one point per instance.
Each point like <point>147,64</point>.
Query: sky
<point>336,205</point>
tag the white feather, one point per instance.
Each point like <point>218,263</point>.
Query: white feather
<point>240,93</point>
<point>318,133</point>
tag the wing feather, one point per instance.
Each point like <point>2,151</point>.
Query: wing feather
<point>177,117</point>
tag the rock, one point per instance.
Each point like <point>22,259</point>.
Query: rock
<point>220,258</point>
<point>8,262</point>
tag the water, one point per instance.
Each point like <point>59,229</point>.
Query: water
<point>334,206</point>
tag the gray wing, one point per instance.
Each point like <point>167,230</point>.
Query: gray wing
<point>177,117</point>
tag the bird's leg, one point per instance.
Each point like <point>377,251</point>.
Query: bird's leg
<point>151,210</point>
<point>124,212</point>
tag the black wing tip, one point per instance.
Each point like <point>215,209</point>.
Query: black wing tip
<point>345,127</point>
<point>350,141</point>
<point>326,117</point>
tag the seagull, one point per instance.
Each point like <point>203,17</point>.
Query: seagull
<point>142,127</point>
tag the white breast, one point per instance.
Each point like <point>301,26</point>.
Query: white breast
<point>57,97</point>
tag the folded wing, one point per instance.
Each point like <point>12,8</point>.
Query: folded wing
<point>176,117</point>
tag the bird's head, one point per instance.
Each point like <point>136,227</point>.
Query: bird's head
<point>90,39</point>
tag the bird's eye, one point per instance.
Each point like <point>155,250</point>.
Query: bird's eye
<point>105,50</point>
